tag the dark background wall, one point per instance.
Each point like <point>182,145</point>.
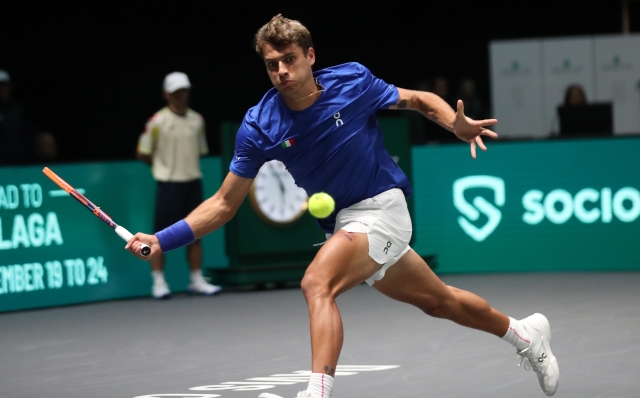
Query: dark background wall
<point>92,74</point>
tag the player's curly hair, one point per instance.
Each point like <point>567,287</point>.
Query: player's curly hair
<point>281,32</point>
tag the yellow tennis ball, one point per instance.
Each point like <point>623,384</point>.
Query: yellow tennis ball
<point>321,205</point>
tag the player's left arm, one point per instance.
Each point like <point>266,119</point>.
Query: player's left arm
<point>437,110</point>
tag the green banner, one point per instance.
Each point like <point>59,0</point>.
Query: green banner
<point>53,251</point>
<point>530,206</point>
<point>522,206</point>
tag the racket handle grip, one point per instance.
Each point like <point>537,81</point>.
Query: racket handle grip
<point>126,235</point>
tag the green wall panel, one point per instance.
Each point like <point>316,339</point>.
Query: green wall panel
<point>530,206</point>
<point>53,251</point>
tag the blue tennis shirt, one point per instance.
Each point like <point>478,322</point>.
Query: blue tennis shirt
<point>334,146</point>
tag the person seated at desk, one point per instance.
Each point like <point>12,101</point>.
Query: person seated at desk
<point>575,95</point>
<point>578,118</point>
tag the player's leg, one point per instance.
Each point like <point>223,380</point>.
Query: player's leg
<point>192,196</point>
<point>355,253</point>
<point>411,281</point>
<point>341,264</point>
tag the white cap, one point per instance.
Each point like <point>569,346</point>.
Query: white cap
<point>175,81</point>
<point>4,76</point>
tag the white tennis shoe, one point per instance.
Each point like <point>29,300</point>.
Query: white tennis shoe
<point>539,356</point>
<point>301,394</point>
<point>160,290</point>
<point>200,286</point>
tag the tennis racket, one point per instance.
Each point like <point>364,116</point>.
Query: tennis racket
<point>121,231</point>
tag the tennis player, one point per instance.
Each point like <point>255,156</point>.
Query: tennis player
<point>329,116</point>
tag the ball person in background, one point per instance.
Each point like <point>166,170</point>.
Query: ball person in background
<point>329,116</point>
<point>172,143</point>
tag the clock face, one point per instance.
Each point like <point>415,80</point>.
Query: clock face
<point>275,195</point>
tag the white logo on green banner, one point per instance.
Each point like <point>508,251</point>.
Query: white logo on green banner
<point>480,204</point>
<point>588,205</point>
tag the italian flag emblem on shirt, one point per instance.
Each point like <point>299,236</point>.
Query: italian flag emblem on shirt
<point>288,143</point>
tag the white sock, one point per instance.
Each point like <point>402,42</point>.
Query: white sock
<point>320,385</point>
<point>516,335</point>
<point>196,275</point>
<point>158,277</point>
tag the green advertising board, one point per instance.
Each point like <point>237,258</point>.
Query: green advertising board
<point>565,205</point>
<point>520,207</point>
<point>53,251</point>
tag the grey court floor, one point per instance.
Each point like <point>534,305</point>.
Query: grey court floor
<point>232,345</point>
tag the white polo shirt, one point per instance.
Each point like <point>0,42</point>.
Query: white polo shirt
<point>175,144</point>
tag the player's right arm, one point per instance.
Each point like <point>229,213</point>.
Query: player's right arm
<point>210,215</point>
<point>221,207</point>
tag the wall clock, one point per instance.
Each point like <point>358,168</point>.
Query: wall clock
<point>275,197</point>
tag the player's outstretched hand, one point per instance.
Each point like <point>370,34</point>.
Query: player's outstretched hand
<point>134,245</point>
<point>471,131</point>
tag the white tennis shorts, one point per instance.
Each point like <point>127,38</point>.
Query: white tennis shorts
<point>386,221</point>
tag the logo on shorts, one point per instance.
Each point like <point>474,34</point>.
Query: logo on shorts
<point>480,204</point>
<point>386,249</point>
